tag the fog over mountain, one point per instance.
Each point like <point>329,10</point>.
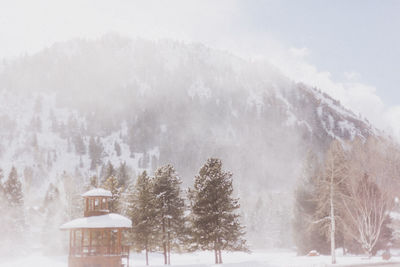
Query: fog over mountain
<point>148,103</point>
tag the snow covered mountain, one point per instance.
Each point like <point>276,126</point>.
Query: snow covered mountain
<point>71,108</point>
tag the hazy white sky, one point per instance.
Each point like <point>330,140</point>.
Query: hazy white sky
<point>351,49</point>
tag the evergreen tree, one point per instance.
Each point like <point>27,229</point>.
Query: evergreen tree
<point>72,125</point>
<point>94,183</point>
<point>107,171</point>
<point>111,184</point>
<point>95,152</point>
<point>15,206</point>
<point>170,208</point>
<point>34,141</point>
<point>81,165</point>
<point>54,122</point>
<point>142,211</point>
<point>215,225</point>
<point>117,148</point>
<point>144,161</point>
<point>54,216</point>
<point>123,176</point>
<point>13,189</point>
<point>79,144</point>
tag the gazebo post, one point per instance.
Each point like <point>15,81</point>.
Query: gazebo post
<point>103,236</point>
<point>90,241</point>
<point>82,240</point>
<point>70,242</point>
<point>109,248</point>
<point>74,243</point>
<point>119,241</point>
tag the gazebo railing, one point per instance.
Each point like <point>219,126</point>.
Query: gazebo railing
<point>86,251</point>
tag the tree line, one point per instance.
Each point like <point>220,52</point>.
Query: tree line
<point>346,198</point>
<point>166,218</point>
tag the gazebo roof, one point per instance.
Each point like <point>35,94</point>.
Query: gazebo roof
<point>111,220</point>
<point>97,192</point>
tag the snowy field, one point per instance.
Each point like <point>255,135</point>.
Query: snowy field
<point>205,259</point>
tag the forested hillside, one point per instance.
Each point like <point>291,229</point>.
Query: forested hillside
<point>117,106</point>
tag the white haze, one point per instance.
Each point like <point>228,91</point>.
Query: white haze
<point>164,102</point>
<point>265,158</point>
<point>28,26</point>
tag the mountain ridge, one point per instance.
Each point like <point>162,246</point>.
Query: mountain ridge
<point>146,103</point>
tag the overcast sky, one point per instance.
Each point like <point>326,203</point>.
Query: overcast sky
<point>349,48</point>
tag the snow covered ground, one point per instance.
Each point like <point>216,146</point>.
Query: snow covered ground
<point>205,259</point>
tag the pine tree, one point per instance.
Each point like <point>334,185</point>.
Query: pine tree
<point>15,203</point>
<point>111,184</point>
<point>72,126</point>
<point>95,152</point>
<point>107,171</point>
<point>142,211</point>
<point>170,208</point>
<point>144,161</point>
<point>123,176</point>
<point>117,148</point>
<point>81,164</point>
<point>34,141</point>
<point>79,144</point>
<point>54,122</point>
<point>54,216</point>
<point>13,189</point>
<point>215,225</point>
<point>94,183</point>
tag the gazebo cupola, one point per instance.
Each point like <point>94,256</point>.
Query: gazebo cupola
<point>96,202</point>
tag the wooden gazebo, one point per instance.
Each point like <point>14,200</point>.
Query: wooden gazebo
<point>96,239</point>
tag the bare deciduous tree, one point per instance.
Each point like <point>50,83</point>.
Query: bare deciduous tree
<point>330,190</point>
<point>369,196</point>
<point>367,207</point>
